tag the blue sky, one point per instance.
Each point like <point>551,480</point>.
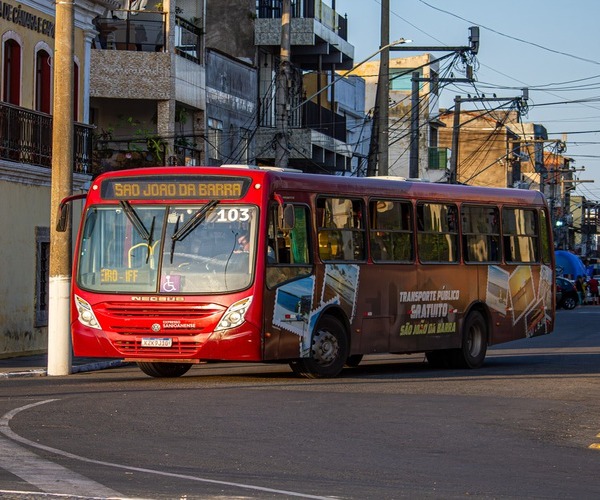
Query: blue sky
<point>550,46</point>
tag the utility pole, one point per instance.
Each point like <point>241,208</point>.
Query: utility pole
<point>413,160</point>
<point>59,335</point>
<point>383,91</point>
<point>378,160</point>
<point>455,134</point>
<point>282,151</point>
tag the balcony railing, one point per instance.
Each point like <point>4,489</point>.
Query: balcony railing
<point>26,137</point>
<point>315,9</point>
<point>132,30</point>
<point>188,40</point>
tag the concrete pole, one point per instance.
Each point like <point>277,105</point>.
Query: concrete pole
<point>413,164</point>
<point>59,335</point>
<point>455,142</point>
<point>282,152</point>
<point>383,89</point>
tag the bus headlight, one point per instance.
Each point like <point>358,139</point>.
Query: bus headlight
<point>235,314</point>
<point>86,315</point>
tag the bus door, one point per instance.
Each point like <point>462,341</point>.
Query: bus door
<point>290,285</point>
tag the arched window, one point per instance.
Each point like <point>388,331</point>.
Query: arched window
<point>43,81</point>
<point>11,82</point>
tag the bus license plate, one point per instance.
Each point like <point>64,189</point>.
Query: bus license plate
<point>157,342</point>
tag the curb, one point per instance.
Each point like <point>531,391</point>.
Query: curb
<point>43,372</point>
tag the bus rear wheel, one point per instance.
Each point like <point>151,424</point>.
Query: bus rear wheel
<point>472,352</point>
<point>164,370</point>
<point>328,351</point>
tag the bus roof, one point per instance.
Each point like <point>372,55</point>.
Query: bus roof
<point>294,180</point>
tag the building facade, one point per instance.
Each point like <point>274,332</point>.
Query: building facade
<point>27,31</point>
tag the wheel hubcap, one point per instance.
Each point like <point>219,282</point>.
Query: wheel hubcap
<point>325,347</point>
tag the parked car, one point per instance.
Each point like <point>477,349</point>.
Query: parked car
<point>566,294</point>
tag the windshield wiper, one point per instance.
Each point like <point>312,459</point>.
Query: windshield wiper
<point>150,238</point>
<point>173,240</point>
<point>137,223</point>
<point>192,223</point>
<point>133,216</point>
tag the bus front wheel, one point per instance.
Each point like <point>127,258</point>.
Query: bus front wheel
<point>164,370</point>
<point>472,352</point>
<point>328,351</point>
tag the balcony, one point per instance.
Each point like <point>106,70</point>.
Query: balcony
<point>26,137</point>
<point>146,31</point>
<point>143,31</point>
<point>318,33</point>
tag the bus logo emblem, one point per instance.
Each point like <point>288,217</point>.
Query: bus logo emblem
<point>156,327</point>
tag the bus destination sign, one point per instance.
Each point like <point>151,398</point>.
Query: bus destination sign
<point>174,187</point>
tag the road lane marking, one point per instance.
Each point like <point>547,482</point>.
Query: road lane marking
<point>43,474</point>
<point>7,431</point>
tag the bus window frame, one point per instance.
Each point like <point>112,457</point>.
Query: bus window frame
<point>536,235</point>
<point>463,234</point>
<point>371,229</point>
<point>362,230</point>
<point>457,233</point>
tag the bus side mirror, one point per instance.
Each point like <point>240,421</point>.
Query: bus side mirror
<point>64,215</point>
<point>64,211</point>
<point>287,217</point>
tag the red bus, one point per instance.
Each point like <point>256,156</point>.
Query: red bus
<point>180,265</point>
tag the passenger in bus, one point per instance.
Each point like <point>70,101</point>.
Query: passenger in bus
<point>379,247</point>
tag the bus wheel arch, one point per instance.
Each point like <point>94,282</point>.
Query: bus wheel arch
<point>329,348</point>
<point>164,370</point>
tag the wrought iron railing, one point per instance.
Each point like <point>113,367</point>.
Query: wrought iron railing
<point>26,137</point>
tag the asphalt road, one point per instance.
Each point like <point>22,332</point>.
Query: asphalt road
<point>523,426</point>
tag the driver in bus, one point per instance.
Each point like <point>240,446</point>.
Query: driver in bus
<point>243,243</point>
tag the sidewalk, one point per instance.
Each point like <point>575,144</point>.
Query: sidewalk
<point>37,365</point>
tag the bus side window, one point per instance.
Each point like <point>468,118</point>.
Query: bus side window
<point>437,236</point>
<point>520,234</point>
<point>288,247</point>
<point>391,232</point>
<point>341,232</point>
<point>481,233</point>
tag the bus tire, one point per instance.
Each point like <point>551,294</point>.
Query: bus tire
<point>354,360</point>
<point>328,352</point>
<point>472,352</point>
<point>164,370</point>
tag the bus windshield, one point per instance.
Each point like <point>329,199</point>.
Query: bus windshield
<point>205,248</point>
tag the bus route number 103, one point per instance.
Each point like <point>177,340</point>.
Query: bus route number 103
<point>233,215</point>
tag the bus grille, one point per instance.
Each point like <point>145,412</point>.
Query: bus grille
<point>133,346</point>
<point>159,311</point>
